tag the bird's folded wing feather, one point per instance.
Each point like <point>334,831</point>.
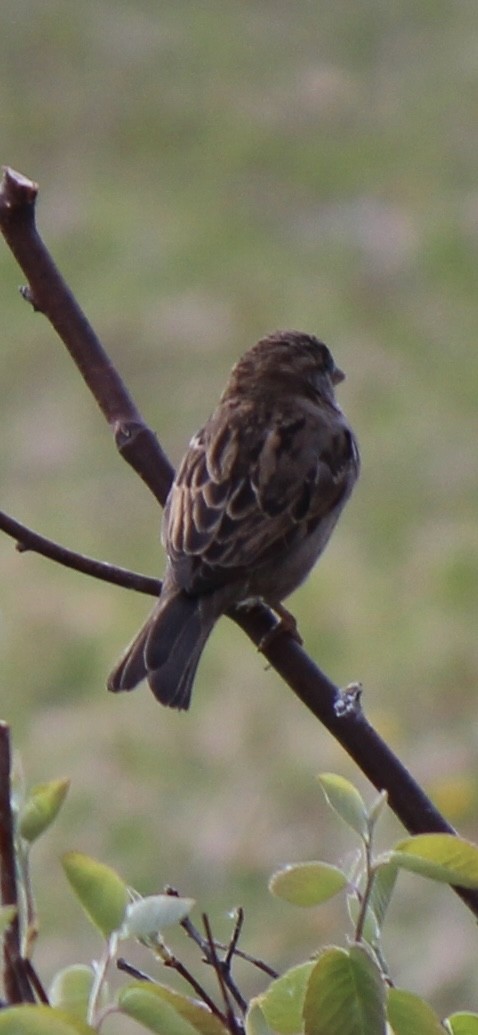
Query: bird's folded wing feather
<point>241,489</point>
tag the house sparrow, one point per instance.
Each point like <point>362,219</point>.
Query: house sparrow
<point>252,506</point>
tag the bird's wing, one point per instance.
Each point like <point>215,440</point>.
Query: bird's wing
<point>242,488</point>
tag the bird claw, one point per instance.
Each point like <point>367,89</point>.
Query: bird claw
<point>286,623</point>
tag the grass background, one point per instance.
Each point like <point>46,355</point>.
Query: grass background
<point>208,172</point>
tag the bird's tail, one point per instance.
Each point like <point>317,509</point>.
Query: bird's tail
<point>167,650</point>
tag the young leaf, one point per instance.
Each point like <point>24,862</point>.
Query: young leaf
<point>255,1022</point>
<point>383,885</point>
<point>462,1024</point>
<point>345,995</point>
<point>308,884</point>
<point>70,990</point>
<point>148,916</point>
<point>377,808</point>
<point>410,1015</point>
<point>283,1002</point>
<point>140,1002</point>
<point>142,999</point>
<point>41,808</point>
<point>101,891</point>
<point>40,1020</point>
<point>346,801</point>
<point>441,857</point>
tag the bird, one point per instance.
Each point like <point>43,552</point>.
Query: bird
<point>251,508</point>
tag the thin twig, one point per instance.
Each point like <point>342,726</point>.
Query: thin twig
<point>211,957</point>
<point>253,960</point>
<point>236,934</point>
<point>28,540</point>
<point>232,948</point>
<point>175,964</point>
<point>194,934</point>
<point>226,984</point>
<point>34,981</point>
<point>140,975</point>
<point>25,990</point>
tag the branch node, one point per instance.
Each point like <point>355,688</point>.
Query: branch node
<point>126,432</point>
<point>348,701</point>
<point>28,296</point>
<point>17,190</point>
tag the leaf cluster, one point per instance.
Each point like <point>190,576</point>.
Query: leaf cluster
<point>341,991</point>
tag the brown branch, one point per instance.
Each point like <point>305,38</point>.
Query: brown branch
<point>7,870</point>
<point>175,964</point>
<point>28,540</point>
<point>16,986</point>
<point>34,982</point>
<point>49,294</point>
<point>341,714</point>
<point>227,987</point>
<point>209,945</point>
<point>234,939</point>
<point>128,968</point>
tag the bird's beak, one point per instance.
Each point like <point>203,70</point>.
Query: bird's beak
<point>337,376</point>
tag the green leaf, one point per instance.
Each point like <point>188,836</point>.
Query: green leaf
<point>7,914</point>
<point>160,1009</point>
<point>441,857</point>
<point>463,1023</point>
<point>42,807</point>
<point>283,1002</point>
<point>308,884</point>
<point>377,808</point>
<point>345,995</point>
<point>346,801</point>
<point>384,882</point>
<point>153,1013</point>
<point>40,1020</point>
<point>410,1015</point>
<point>254,1021</point>
<point>101,891</point>
<point>148,916</point>
<point>70,990</point>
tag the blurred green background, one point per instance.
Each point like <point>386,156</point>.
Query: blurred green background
<point>210,171</point>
